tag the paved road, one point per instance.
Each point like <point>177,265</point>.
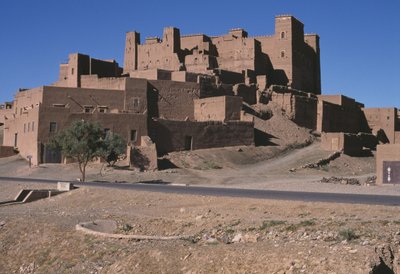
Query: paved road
<point>233,192</point>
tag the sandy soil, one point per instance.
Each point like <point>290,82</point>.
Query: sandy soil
<point>228,234</point>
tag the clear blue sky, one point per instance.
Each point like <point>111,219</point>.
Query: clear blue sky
<point>360,39</point>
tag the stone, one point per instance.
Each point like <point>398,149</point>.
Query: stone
<point>65,186</point>
<point>238,238</point>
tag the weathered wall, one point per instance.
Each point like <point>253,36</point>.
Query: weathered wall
<point>94,82</point>
<point>247,92</point>
<point>350,144</point>
<point>120,123</point>
<point>387,153</point>
<point>181,135</point>
<point>300,109</point>
<point>151,74</point>
<point>336,118</point>
<point>22,133</point>
<point>81,64</point>
<point>6,151</point>
<point>289,57</point>
<point>295,57</point>
<point>221,108</point>
<point>184,76</point>
<point>385,119</point>
<point>172,100</point>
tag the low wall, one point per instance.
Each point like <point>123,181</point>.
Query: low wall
<point>6,151</point>
<point>187,135</point>
<point>388,156</point>
<point>350,144</point>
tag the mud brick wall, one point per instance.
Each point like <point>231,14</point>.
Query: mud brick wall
<point>172,100</point>
<point>305,111</point>
<point>336,118</point>
<point>173,135</point>
<point>6,151</point>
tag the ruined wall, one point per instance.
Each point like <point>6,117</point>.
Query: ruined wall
<point>300,109</point>
<point>289,57</point>
<point>186,135</point>
<point>81,64</point>
<point>382,119</point>
<point>247,92</point>
<point>237,53</point>
<point>172,100</point>
<point>391,155</point>
<point>160,54</point>
<point>221,108</point>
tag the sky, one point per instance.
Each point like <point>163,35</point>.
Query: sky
<point>360,39</point>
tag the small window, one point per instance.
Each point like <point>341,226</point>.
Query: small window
<point>133,135</point>
<point>87,109</point>
<point>102,109</point>
<point>24,128</point>
<point>136,102</point>
<point>59,105</point>
<point>72,71</point>
<point>29,126</point>
<point>53,127</point>
<point>33,126</point>
<point>283,35</point>
<point>283,54</point>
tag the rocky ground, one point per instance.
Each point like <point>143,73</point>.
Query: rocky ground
<point>220,235</point>
<point>225,234</point>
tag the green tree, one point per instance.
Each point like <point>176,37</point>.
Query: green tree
<point>113,146</point>
<point>81,141</point>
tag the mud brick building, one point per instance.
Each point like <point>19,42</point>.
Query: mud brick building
<point>187,92</point>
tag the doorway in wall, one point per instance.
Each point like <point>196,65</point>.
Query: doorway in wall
<point>15,139</point>
<point>188,142</point>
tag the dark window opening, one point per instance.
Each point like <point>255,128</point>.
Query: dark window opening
<point>282,35</point>
<point>282,53</point>
<point>53,127</point>
<point>15,139</point>
<point>72,71</point>
<point>188,142</point>
<point>136,102</point>
<point>133,135</point>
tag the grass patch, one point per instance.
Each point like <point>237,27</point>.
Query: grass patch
<point>348,234</point>
<point>268,224</point>
<point>294,227</point>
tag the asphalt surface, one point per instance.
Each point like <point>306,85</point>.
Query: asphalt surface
<point>166,187</point>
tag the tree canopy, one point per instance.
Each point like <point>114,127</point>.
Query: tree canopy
<point>83,141</point>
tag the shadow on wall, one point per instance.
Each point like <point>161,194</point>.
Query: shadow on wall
<point>263,139</point>
<point>152,101</point>
<point>164,164</point>
<point>139,160</point>
<point>280,77</point>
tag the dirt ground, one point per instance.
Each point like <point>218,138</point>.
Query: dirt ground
<point>227,235</point>
<point>223,235</point>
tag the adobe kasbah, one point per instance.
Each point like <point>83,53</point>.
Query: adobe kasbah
<point>188,92</point>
